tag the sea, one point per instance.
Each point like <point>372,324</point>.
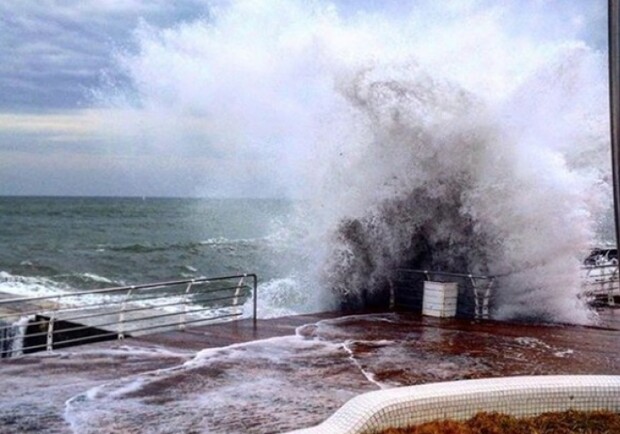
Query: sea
<point>50,245</point>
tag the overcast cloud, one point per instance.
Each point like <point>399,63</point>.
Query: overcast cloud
<point>55,139</point>
<point>54,52</point>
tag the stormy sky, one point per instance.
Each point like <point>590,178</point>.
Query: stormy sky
<point>57,131</point>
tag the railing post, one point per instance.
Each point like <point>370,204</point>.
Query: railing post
<point>487,297</point>
<point>613,12</point>
<point>477,307</point>
<point>237,291</point>
<point>255,300</point>
<point>182,317</point>
<point>610,288</point>
<point>50,332</point>
<point>120,330</point>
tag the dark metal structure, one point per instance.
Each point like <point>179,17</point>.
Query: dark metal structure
<point>614,103</point>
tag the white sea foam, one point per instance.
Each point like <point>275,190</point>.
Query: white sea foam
<point>96,278</point>
<point>190,268</point>
<point>23,286</point>
<point>12,336</point>
<point>217,241</point>
<point>564,353</point>
<point>444,129</point>
<point>29,286</point>
<point>39,286</point>
<point>286,296</point>
<point>236,388</point>
<point>531,342</point>
<point>225,381</point>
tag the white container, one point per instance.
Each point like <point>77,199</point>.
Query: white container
<point>440,299</point>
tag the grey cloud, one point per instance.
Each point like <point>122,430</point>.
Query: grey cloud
<point>45,144</point>
<point>52,52</point>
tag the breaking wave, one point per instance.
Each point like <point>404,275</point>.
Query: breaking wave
<point>461,142</point>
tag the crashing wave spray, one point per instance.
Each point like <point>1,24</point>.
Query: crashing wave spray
<point>12,337</point>
<point>457,141</point>
<point>462,191</point>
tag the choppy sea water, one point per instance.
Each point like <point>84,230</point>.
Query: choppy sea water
<point>62,244</point>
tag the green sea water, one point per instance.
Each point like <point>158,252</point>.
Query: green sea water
<point>72,243</point>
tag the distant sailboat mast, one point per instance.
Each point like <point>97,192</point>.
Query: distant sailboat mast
<point>614,104</point>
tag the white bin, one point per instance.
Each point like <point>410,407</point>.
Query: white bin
<point>440,299</point>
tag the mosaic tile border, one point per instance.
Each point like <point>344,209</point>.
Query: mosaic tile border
<point>520,396</point>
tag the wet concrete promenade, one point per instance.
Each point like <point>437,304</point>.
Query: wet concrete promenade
<point>287,373</point>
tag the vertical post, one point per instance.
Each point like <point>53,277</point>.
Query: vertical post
<point>238,292</point>
<point>120,328</point>
<point>50,332</point>
<point>611,300</point>
<point>487,298</point>
<point>183,315</point>
<point>614,103</point>
<point>254,301</point>
<point>477,305</point>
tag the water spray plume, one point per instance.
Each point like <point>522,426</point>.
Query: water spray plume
<point>429,138</point>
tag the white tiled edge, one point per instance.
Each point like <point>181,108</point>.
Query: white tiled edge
<point>459,400</point>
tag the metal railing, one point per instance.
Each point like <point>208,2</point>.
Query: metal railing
<point>601,283</point>
<point>475,291</point>
<point>32,324</point>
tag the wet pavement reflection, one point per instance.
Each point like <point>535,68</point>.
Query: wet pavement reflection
<point>298,372</point>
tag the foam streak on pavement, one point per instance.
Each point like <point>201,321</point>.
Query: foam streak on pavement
<point>302,370</point>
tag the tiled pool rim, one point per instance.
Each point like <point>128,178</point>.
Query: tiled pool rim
<point>459,400</point>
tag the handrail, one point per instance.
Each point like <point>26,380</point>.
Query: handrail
<point>106,303</point>
<point>481,291</point>
<point>601,283</point>
<point>447,273</point>
<point>70,318</point>
<point>128,287</point>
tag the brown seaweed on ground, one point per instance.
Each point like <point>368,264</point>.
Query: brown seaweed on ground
<point>568,422</point>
